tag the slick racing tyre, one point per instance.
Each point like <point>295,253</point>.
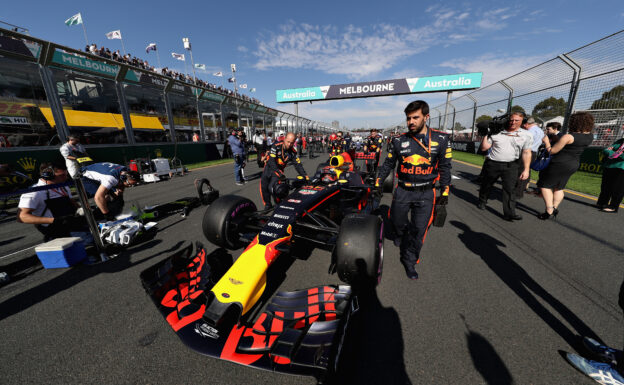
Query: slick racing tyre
<point>359,250</point>
<point>207,194</point>
<point>224,219</point>
<point>388,184</point>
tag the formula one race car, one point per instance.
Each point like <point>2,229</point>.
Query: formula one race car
<point>213,304</point>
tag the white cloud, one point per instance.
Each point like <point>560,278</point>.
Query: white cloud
<point>495,67</point>
<point>356,52</point>
<point>242,48</point>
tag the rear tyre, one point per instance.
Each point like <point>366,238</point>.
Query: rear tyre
<point>224,220</point>
<point>359,250</point>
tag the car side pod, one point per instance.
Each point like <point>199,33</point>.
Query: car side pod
<point>300,332</point>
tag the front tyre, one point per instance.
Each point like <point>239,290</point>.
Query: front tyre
<point>224,219</point>
<point>359,250</point>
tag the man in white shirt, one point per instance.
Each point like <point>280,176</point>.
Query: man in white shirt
<point>537,134</point>
<point>50,210</point>
<point>509,150</point>
<point>75,156</point>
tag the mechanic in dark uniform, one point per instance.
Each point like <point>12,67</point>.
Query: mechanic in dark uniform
<point>424,157</point>
<point>338,145</point>
<point>280,155</point>
<point>373,144</point>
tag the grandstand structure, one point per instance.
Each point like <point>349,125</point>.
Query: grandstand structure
<point>121,111</point>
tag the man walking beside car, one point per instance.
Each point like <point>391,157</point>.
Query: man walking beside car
<point>424,156</point>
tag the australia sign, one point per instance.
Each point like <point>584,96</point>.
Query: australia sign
<point>455,82</point>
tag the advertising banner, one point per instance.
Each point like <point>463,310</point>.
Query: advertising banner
<point>455,82</point>
<point>141,77</point>
<point>81,63</point>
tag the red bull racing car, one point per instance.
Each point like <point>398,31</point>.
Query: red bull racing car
<point>224,309</point>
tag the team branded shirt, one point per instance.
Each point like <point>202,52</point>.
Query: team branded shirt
<point>508,146</point>
<point>36,200</point>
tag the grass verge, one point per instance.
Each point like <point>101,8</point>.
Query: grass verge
<point>580,181</point>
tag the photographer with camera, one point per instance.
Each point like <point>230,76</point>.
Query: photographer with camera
<point>510,150</point>
<point>237,145</point>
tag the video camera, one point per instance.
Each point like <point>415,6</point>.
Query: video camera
<point>494,126</point>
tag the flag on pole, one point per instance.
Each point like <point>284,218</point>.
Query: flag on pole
<point>233,67</point>
<point>114,35</point>
<point>243,85</point>
<point>231,80</point>
<point>74,20</point>
<point>179,56</point>
<point>219,74</point>
<point>150,47</point>
<point>200,66</point>
<point>252,90</point>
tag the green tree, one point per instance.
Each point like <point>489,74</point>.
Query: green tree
<point>550,108</point>
<point>483,118</point>
<point>458,126</point>
<point>614,98</point>
<point>517,109</point>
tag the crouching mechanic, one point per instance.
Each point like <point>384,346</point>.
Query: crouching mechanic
<point>424,157</point>
<point>52,210</point>
<point>106,182</point>
<point>280,155</point>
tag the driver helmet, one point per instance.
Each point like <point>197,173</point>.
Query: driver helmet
<point>328,175</point>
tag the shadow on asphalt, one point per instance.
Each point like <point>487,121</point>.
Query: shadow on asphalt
<point>524,286</point>
<point>71,277</point>
<point>485,358</point>
<point>373,348</point>
<point>7,241</point>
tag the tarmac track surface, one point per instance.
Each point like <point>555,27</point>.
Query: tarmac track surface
<point>495,302</point>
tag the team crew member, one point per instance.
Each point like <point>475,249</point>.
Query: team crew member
<point>52,210</point>
<point>373,144</point>
<point>337,145</point>
<point>424,157</point>
<point>281,154</point>
<point>106,182</point>
<point>75,155</point>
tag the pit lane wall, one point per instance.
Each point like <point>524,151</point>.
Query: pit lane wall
<point>591,158</point>
<point>120,111</point>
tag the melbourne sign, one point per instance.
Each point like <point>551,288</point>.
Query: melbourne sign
<point>82,63</point>
<point>455,82</point>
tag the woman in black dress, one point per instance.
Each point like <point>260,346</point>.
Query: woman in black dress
<point>565,161</point>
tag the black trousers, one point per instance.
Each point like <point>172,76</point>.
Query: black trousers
<point>267,182</point>
<point>611,188</point>
<point>508,172</point>
<point>412,231</point>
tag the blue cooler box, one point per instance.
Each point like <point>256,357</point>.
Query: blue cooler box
<point>61,252</point>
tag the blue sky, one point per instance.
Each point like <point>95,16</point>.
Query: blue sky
<point>286,44</point>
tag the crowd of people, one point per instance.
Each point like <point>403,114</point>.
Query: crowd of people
<point>134,61</point>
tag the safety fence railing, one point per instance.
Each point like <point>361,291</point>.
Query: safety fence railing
<point>589,78</point>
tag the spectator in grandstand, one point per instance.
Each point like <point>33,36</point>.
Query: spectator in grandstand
<point>195,137</point>
<point>106,182</point>
<point>537,134</point>
<point>508,150</point>
<point>237,145</point>
<point>74,154</point>
<point>52,210</point>
<point>552,133</point>
<point>612,186</point>
<point>565,161</point>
